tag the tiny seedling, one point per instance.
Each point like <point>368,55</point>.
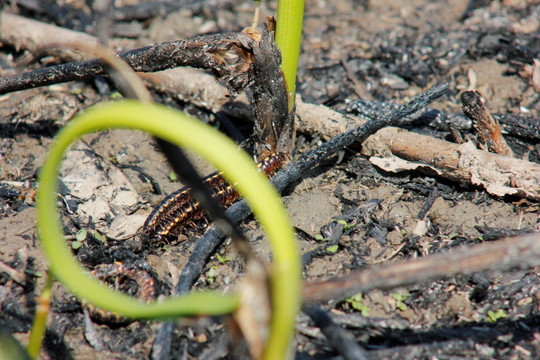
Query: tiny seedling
<point>76,245</point>
<point>494,316</point>
<point>221,259</point>
<point>172,176</point>
<point>116,95</point>
<point>356,303</point>
<point>400,298</point>
<point>332,249</point>
<point>345,224</point>
<point>36,274</point>
<point>99,237</point>
<point>80,237</point>
<point>211,275</point>
<point>319,237</point>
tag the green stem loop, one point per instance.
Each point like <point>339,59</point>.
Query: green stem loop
<point>238,168</point>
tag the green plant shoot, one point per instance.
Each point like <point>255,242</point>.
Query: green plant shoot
<point>290,17</point>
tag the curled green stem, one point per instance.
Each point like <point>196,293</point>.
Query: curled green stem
<point>238,168</point>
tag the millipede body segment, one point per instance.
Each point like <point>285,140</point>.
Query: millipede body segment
<point>180,208</point>
<point>124,276</point>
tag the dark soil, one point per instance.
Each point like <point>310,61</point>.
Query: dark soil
<point>384,51</point>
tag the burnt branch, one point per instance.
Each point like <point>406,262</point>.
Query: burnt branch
<point>514,125</point>
<point>341,339</point>
<point>228,56</point>
<point>362,132</point>
<point>274,124</point>
<point>520,252</point>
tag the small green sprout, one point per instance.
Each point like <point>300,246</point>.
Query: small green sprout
<point>81,235</point>
<point>400,298</point>
<point>98,236</point>
<point>347,226</point>
<point>332,249</point>
<point>319,237</point>
<point>221,259</point>
<point>493,316</point>
<point>357,304</point>
<point>116,95</point>
<point>211,275</point>
<point>33,273</point>
<point>172,176</point>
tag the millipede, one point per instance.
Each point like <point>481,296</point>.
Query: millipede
<point>180,208</point>
<point>124,277</point>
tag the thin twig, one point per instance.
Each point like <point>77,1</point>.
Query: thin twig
<point>514,125</point>
<point>212,52</point>
<point>340,339</point>
<point>520,252</point>
<point>12,273</point>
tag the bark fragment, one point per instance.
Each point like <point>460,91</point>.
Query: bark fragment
<point>395,150</point>
<point>488,129</point>
<point>274,124</point>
